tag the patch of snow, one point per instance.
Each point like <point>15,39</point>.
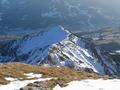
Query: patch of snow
<point>16,84</point>
<point>10,79</point>
<point>117,51</point>
<point>92,85</point>
<point>32,75</point>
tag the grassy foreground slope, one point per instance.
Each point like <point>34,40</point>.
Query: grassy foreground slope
<point>63,75</point>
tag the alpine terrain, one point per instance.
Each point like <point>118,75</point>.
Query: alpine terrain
<point>73,14</point>
<point>58,47</point>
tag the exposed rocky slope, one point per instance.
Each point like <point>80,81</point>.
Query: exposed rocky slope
<point>58,47</point>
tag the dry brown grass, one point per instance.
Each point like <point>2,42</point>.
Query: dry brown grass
<point>64,75</point>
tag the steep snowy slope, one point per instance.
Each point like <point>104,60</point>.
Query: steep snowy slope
<point>58,47</point>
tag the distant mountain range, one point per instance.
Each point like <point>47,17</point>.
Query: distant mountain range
<point>72,14</point>
<point>58,47</point>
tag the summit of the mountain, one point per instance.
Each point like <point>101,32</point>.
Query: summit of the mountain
<point>43,39</point>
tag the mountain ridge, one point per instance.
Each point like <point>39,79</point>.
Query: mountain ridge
<point>58,47</point>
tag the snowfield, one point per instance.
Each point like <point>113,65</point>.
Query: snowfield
<point>92,85</point>
<point>16,84</point>
<point>32,75</point>
<point>100,84</point>
<point>89,84</point>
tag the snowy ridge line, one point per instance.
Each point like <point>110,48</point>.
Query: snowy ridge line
<point>58,47</point>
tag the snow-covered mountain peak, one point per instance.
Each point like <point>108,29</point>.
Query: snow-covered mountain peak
<point>58,47</point>
<point>43,39</point>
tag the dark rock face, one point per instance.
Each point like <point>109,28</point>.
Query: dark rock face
<point>40,85</point>
<point>33,88</point>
